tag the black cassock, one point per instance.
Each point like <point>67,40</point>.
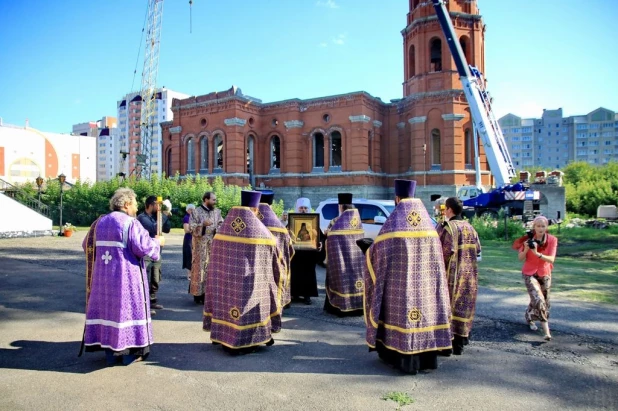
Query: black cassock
<point>302,267</point>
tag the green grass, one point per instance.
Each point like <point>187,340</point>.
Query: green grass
<point>401,398</point>
<point>586,266</point>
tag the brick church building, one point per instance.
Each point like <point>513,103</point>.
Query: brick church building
<point>350,142</point>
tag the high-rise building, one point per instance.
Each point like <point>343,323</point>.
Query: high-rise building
<point>553,141</point>
<point>108,154</point>
<point>518,134</point>
<point>129,120</point>
<point>106,132</point>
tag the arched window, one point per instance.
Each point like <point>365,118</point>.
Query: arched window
<point>168,156</point>
<point>435,147</point>
<point>275,153</point>
<point>336,149</point>
<point>435,56</point>
<point>464,42</point>
<point>204,155</point>
<point>250,159</point>
<point>218,152</point>
<point>411,62</point>
<point>190,157</point>
<point>250,142</point>
<point>468,147</point>
<point>318,150</point>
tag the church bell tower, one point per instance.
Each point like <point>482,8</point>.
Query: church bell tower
<point>437,116</point>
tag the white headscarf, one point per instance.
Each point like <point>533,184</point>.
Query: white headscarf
<point>303,202</point>
<point>190,207</point>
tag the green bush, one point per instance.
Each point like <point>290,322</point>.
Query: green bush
<point>494,229</point>
<point>588,187</point>
<point>84,202</point>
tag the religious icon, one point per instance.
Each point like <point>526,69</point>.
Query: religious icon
<point>304,230</point>
<point>303,234</point>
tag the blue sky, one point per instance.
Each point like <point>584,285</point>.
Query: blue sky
<point>66,62</point>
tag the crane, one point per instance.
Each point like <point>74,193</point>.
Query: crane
<point>479,101</point>
<point>149,89</point>
<point>516,199</point>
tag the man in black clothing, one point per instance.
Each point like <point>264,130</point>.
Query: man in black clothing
<point>148,219</point>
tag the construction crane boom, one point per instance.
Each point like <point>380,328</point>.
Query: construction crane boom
<point>149,138</point>
<point>479,101</point>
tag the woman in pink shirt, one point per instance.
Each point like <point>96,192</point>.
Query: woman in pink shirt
<point>538,263</point>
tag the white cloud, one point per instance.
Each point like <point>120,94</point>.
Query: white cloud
<point>340,39</point>
<point>323,44</point>
<point>328,3</point>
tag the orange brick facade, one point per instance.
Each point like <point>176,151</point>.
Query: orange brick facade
<point>351,142</point>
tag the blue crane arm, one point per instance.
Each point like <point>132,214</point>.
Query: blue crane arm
<point>449,32</point>
<point>479,101</point>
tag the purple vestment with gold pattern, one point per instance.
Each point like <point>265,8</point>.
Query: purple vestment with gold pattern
<point>344,274</point>
<point>117,307</point>
<point>244,285</point>
<point>284,243</point>
<point>406,299</point>
<point>460,247</point>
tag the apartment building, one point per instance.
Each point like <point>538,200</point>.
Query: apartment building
<point>108,153</point>
<point>106,132</point>
<point>129,120</point>
<point>519,136</point>
<point>553,140</point>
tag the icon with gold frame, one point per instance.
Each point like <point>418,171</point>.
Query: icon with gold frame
<point>303,229</point>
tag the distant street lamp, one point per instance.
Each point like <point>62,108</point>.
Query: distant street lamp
<point>61,178</point>
<point>39,182</point>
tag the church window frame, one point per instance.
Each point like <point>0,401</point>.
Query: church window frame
<point>436,148</point>
<point>411,61</point>
<point>335,147</point>
<point>218,153</point>
<point>435,55</point>
<point>204,155</point>
<point>318,151</point>
<point>468,149</point>
<point>465,44</point>
<point>168,157</point>
<point>190,156</point>
<point>275,152</point>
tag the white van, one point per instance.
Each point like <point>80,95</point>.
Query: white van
<point>373,213</point>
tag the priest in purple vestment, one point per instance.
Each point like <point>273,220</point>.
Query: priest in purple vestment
<point>344,273</point>
<point>407,310</point>
<point>245,281</point>
<point>284,242</point>
<point>117,304</point>
<point>461,248</point>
